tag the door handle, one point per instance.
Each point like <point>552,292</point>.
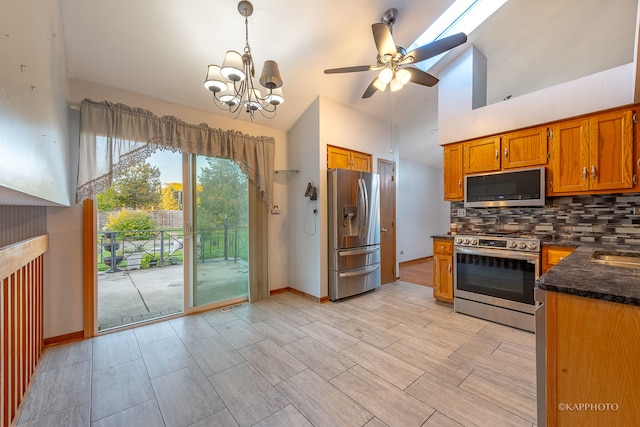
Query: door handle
<point>359,272</point>
<point>384,230</point>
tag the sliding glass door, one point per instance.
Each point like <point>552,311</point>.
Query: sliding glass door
<point>218,269</point>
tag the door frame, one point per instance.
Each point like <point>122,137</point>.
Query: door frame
<point>388,264</point>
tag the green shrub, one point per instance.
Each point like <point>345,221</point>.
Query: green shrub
<point>130,220</point>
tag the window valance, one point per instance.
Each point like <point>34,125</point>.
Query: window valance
<point>115,136</point>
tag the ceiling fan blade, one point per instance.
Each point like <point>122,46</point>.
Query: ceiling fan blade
<point>436,47</point>
<point>348,69</point>
<point>422,78</point>
<point>371,89</point>
<point>384,40</point>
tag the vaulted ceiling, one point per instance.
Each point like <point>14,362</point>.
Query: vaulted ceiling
<point>162,49</point>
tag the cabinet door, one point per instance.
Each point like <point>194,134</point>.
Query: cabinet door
<point>360,161</point>
<point>453,174</point>
<point>569,157</point>
<point>611,151</point>
<point>552,255</point>
<point>443,277</point>
<point>482,155</point>
<point>338,157</point>
<point>524,148</point>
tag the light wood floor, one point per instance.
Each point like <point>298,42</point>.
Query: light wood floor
<point>389,357</point>
<point>419,271</point>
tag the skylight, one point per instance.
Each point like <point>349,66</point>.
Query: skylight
<point>463,16</point>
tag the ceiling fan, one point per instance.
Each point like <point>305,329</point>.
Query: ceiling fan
<point>394,61</point>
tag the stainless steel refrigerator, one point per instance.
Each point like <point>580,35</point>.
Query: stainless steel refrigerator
<point>354,232</point>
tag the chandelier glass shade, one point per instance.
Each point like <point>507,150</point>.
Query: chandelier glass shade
<point>232,83</point>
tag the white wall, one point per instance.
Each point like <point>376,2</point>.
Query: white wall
<point>304,229</point>
<point>457,121</point>
<point>33,107</point>
<point>421,210</point>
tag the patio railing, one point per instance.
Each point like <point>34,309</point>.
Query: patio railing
<point>139,249</point>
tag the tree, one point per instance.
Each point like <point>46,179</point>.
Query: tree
<point>138,187</point>
<point>223,194</point>
<point>108,201</point>
<point>170,196</point>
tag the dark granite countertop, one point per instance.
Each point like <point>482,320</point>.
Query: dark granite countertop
<point>443,236</point>
<point>576,275</point>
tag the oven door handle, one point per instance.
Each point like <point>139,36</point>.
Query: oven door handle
<point>498,253</point>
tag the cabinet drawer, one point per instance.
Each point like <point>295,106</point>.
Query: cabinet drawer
<point>443,246</point>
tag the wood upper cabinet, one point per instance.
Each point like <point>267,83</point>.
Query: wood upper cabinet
<point>443,269</point>
<point>526,148</point>
<point>591,154</point>
<point>482,155</point>
<point>343,158</point>
<point>453,172</point>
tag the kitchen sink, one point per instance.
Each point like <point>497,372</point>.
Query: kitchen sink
<point>617,259</point>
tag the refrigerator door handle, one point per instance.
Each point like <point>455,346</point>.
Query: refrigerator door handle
<point>358,251</point>
<point>362,272</point>
<point>364,201</point>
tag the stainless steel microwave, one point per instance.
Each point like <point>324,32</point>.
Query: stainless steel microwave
<point>522,187</point>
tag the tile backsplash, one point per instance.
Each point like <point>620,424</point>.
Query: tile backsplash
<point>607,219</point>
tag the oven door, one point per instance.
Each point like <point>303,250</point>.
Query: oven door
<point>498,277</point>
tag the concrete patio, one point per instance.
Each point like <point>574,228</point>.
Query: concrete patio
<point>133,296</point>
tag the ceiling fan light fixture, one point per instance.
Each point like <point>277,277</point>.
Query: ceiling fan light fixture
<point>403,75</point>
<point>233,67</point>
<point>379,84</point>
<point>385,76</point>
<point>395,85</point>
<point>214,80</point>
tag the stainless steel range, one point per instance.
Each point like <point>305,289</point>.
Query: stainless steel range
<point>494,277</point>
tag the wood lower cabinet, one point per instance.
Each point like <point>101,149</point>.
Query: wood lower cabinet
<point>453,172</point>
<point>592,154</point>
<point>343,158</point>
<point>592,358</point>
<point>443,269</point>
<point>552,255</point>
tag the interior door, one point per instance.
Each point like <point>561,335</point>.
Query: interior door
<point>387,172</point>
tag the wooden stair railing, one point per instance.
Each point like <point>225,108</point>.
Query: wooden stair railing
<point>21,320</point>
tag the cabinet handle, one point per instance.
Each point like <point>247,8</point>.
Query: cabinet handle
<point>584,173</point>
<point>459,183</point>
<point>506,153</point>
<point>638,163</point>
<point>497,154</point>
<point>449,268</point>
<point>593,172</point>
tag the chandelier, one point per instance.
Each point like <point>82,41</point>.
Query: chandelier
<point>232,84</point>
